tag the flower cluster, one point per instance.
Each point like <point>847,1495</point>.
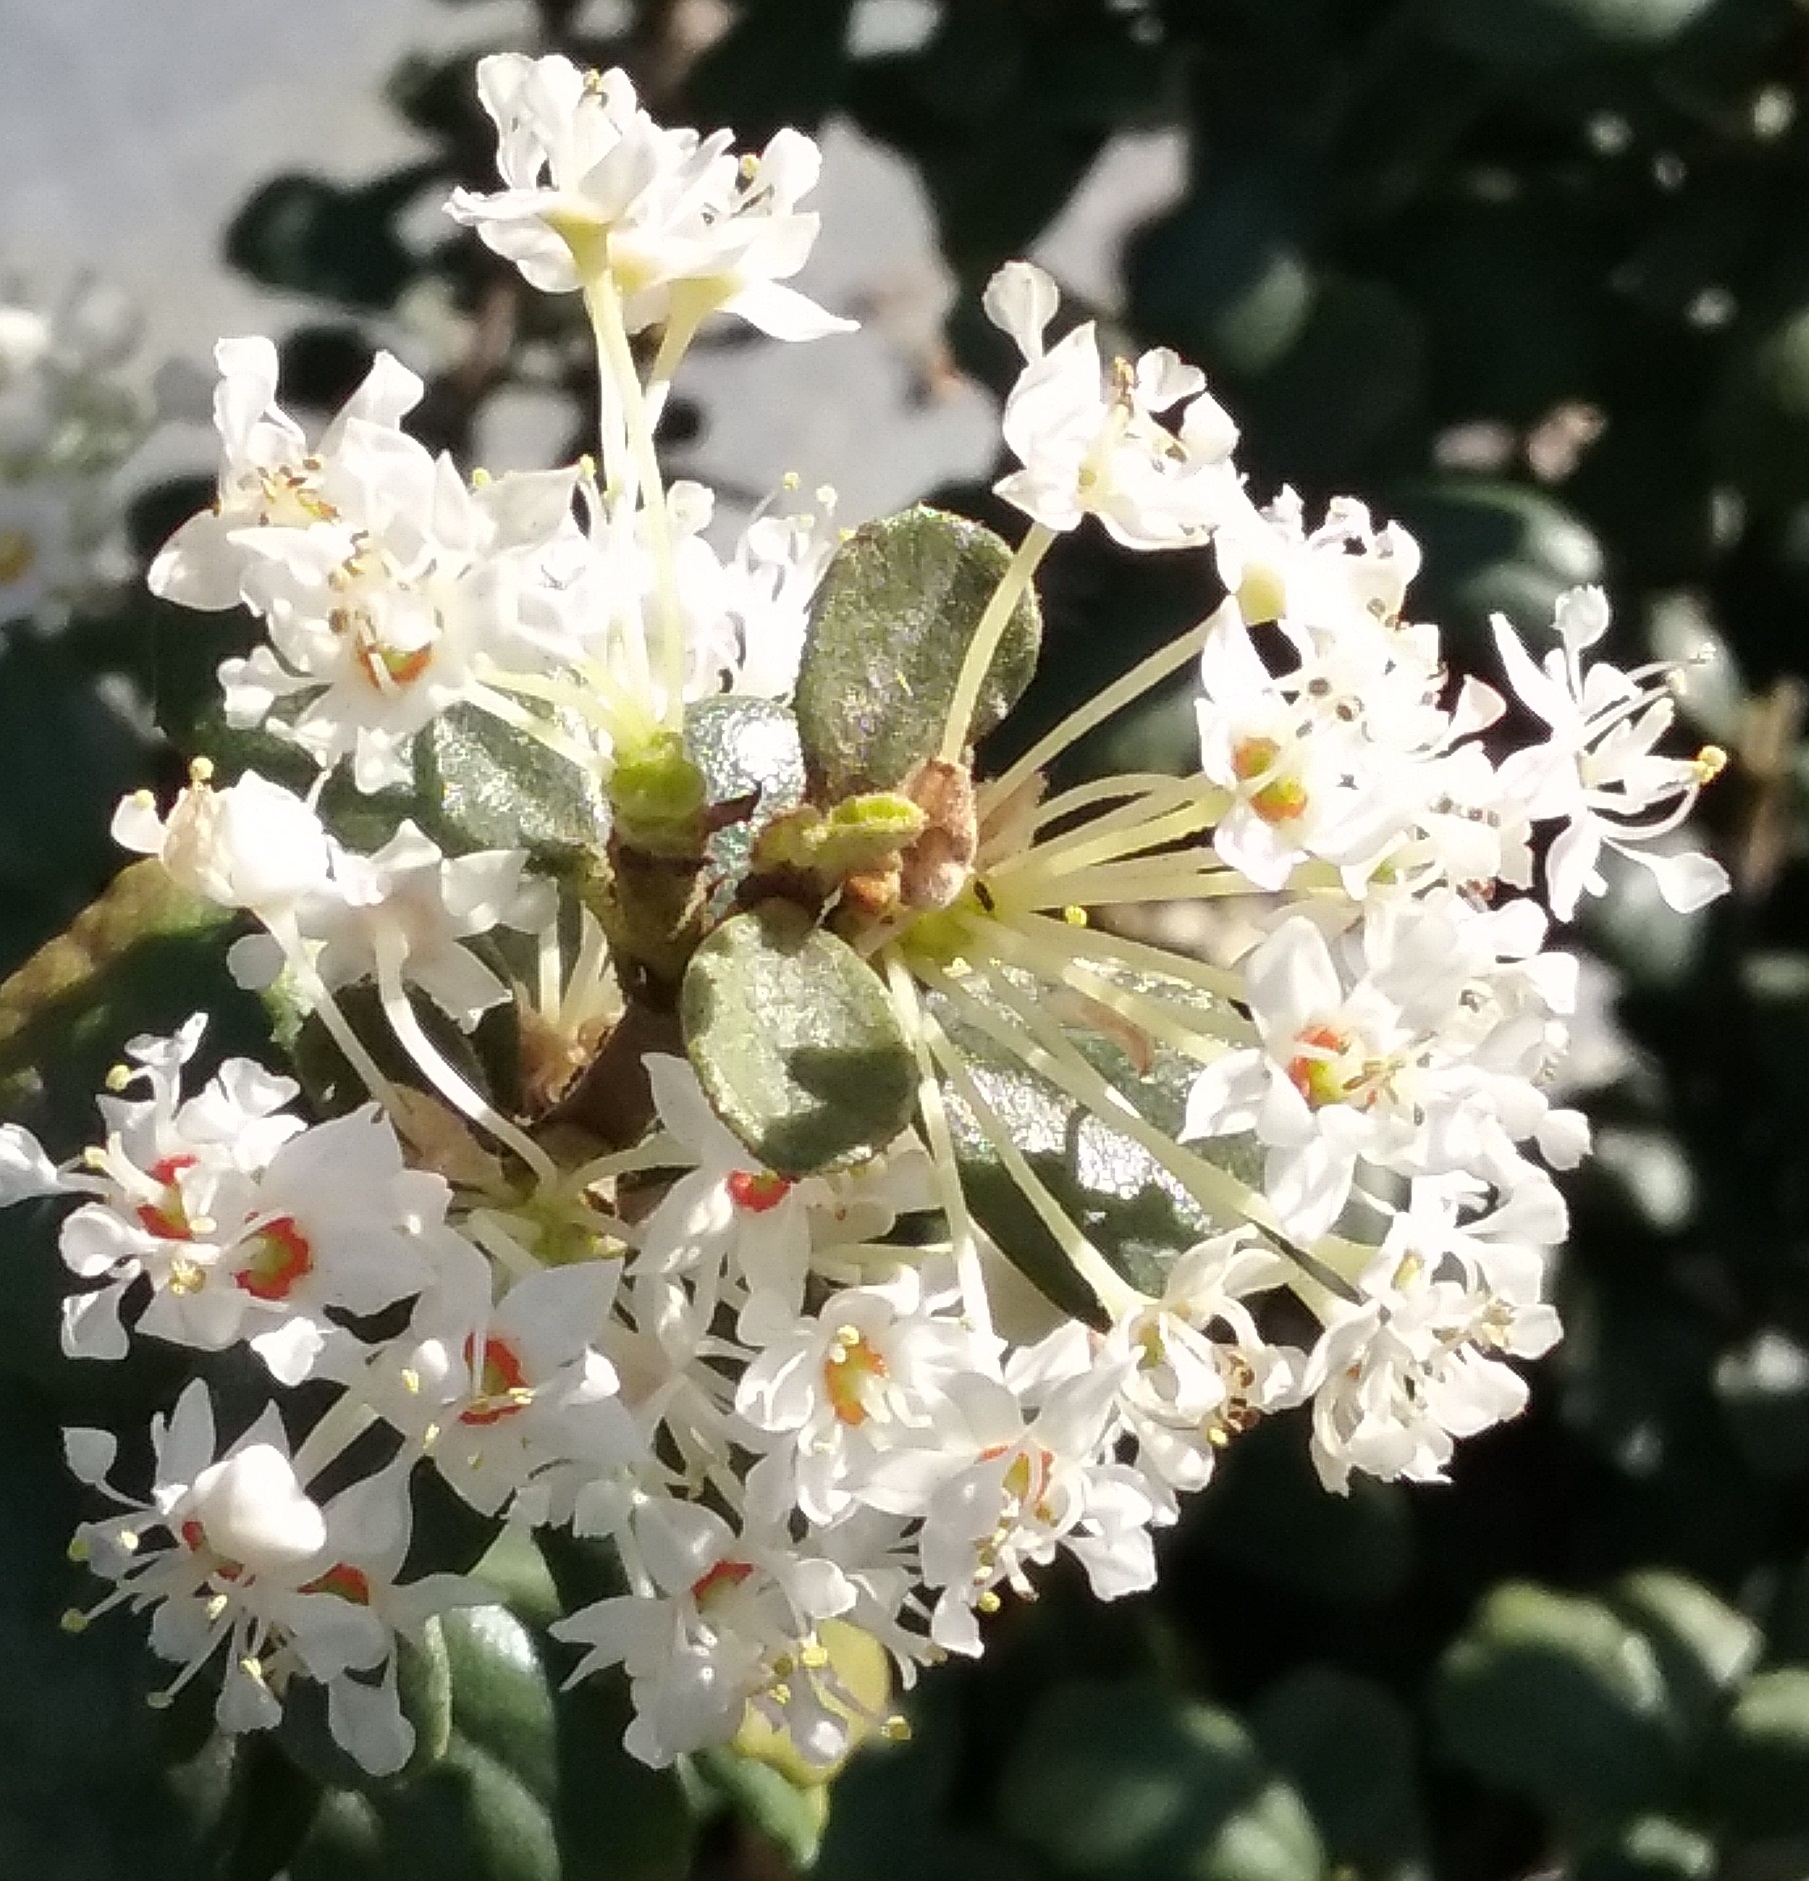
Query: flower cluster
<point>67,422</point>
<point>733,1310</point>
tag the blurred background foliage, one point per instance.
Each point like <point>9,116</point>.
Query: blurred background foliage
<point>1530,275</point>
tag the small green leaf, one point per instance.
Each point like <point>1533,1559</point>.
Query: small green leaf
<point>1756,1772</point>
<point>1557,1698</point>
<point>1348,1747</point>
<point>140,959</point>
<point>1704,1646</point>
<point>792,1819</point>
<point>744,748</point>
<point>1129,1781</point>
<point>500,1697</point>
<point>485,785</point>
<point>889,627</point>
<point>1650,1848</point>
<point>469,1818</point>
<point>795,1042</point>
<point>424,1689</point>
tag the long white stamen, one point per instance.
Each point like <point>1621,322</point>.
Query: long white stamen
<point>1113,1292</point>
<point>1095,943</point>
<point>617,355</point>
<point>518,718</point>
<point>438,1069</point>
<point>988,633</point>
<point>941,1140</point>
<point>1122,692</point>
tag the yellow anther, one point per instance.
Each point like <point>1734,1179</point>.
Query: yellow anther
<point>790,480</point>
<point>94,1157</point>
<point>126,1541</point>
<point>587,465</point>
<point>411,1381</point>
<point>78,1550</point>
<point>217,1605</point>
<point>200,770</point>
<point>118,1077</point>
<point>159,1701</point>
<point>750,166</point>
<point>1711,761</point>
<point>780,1693</point>
<point>988,1602</point>
<point>1074,915</point>
<point>73,1620</point>
<point>815,1657</point>
<point>481,478</point>
<point>897,1729</point>
<point>253,1668</point>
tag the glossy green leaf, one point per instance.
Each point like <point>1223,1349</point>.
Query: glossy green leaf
<point>796,1043</point>
<point>1704,1646</point>
<point>1650,1848</point>
<point>484,785</point>
<point>1556,1697</point>
<point>1756,1775</point>
<point>1130,1782</point>
<point>889,626</point>
<point>744,748</point>
<point>1348,1747</point>
<point>789,1817</point>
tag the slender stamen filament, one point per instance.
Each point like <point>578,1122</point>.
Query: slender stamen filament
<point>1041,1046</point>
<point>435,1066</point>
<point>1114,1294</point>
<point>618,363</point>
<point>1122,692</point>
<point>941,1141</point>
<point>519,718</point>
<point>988,633</point>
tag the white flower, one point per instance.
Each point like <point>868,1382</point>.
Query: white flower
<point>1599,772</point>
<point>268,476</point>
<point>409,909</point>
<point>593,186</point>
<point>1002,1485</point>
<point>1196,1368</point>
<point>1419,1364</point>
<point>1093,446</point>
<point>730,1209</point>
<point>1422,1064</point>
<point>382,619</point>
<point>496,1393</point>
<point>723,1619</point>
<point>220,1555</point>
<point>858,1377</point>
<point>252,845</point>
<point>591,183</point>
<point>247,1224</point>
